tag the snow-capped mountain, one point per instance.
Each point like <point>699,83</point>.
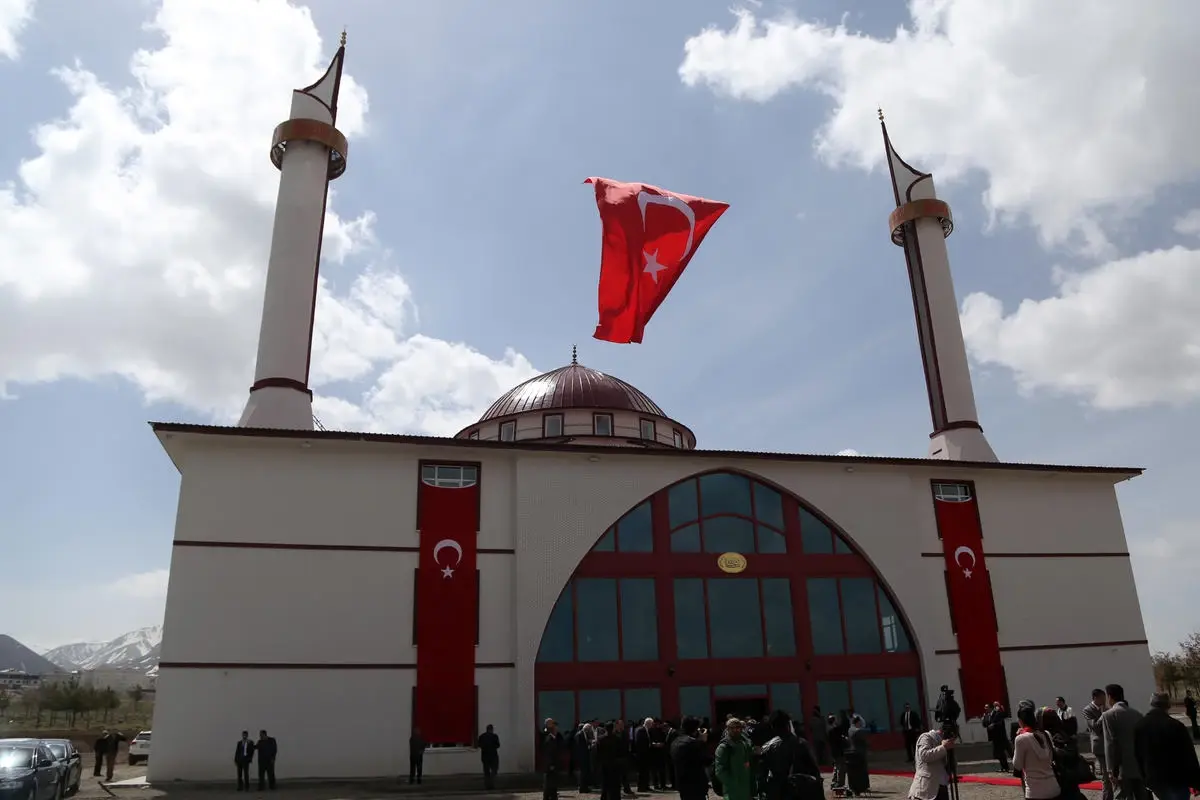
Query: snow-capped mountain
<point>134,650</point>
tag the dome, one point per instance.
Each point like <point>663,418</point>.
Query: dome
<point>572,386</point>
<point>578,405</point>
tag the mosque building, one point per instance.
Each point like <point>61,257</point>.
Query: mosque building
<point>575,554</point>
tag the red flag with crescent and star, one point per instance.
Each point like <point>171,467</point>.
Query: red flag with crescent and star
<point>447,613</point>
<point>649,237</point>
<point>972,605</point>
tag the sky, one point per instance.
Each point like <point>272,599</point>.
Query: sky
<point>461,253</point>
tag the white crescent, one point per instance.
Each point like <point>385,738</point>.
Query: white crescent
<point>647,199</point>
<point>444,544</point>
<point>965,550</point>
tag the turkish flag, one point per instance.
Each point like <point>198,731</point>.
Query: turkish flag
<point>650,235</point>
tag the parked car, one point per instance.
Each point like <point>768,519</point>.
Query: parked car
<point>28,771</point>
<point>139,748</point>
<point>70,763</point>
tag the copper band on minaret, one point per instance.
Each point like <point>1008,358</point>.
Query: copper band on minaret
<point>311,130</point>
<point>920,209</point>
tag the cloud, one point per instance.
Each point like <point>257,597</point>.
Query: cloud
<point>849,451</point>
<point>1121,335</point>
<point>1075,114</point>
<point>150,585</point>
<point>1189,223</point>
<point>14,16</point>
<point>136,236</point>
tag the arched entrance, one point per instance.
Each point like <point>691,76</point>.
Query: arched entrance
<point>650,625</point>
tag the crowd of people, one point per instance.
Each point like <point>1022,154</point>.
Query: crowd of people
<point>1134,754</point>
<point>744,760</point>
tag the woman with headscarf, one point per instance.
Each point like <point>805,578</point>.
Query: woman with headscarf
<point>858,777</point>
<point>1033,756</point>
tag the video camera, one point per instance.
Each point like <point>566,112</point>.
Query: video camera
<point>947,709</point>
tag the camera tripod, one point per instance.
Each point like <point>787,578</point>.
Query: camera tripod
<point>952,774</point>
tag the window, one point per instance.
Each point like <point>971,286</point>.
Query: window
<point>728,534</point>
<point>768,506</point>
<point>691,629</point>
<point>677,438</point>
<point>602,704</point>
<point>903,690</point>
<point>684,503</point>
<point>724,493</point>
<point>825,617</point>
<point>473,435</point>
<point>895,637</point>
<point>635,531</point>
<point>647,429</point>
<point>639,620</point>
<point>786,697</point>
<point>741,690</point>
<point>558,706</point>
<point>602,424</point>
<point>695,701</point>
<point>552,425</point>
<point>596,612</point>
<point>508,431</point>
<point>449,477</point>
<point>861,619</point>
<point>870,702</point>
<point>815,536</point>
<point>735,618</point>
<point>686,540</point>
<point>558,640</point>
<point>608,542</point>
<point>952,492</point>
<point>833,696</point>
<point>778,619</point>
<point>642,703</point>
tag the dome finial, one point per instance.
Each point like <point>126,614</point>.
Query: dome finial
<point>342,40</point>
<point>574,354</point>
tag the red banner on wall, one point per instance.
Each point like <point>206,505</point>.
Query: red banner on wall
<point>447,613</point>
<point>972,606</point>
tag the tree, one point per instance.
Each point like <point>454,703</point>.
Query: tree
<point>136,694</point>
<point>1168,671</point>
<point>5,701</point>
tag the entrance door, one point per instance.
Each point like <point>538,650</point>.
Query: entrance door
<point>744,708</point>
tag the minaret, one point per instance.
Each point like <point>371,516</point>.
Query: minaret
<point>920,224</point>
<point>309,152</point>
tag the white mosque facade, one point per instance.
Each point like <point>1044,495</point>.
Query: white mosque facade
<point>618,569</point>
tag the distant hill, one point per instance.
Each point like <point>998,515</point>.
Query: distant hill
<point>134,650</point>
<point>18,657</point>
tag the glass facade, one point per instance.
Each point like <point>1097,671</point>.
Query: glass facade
<point>807,617</point>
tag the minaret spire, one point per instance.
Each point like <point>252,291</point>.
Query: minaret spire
<point>309,152</point>
<point>574,354</point>
<point>920,224</point>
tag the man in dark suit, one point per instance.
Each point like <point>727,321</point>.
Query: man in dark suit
<point>1118,724</point>
<point>266,749</point>
<point>1165,752</point>
<point>243,754</point>
<point>642,754</point>
<point>550,756</point>
<point>689,755</point>
<point>910,725</point>
<point>416,755</point>
<point>1091,716</point>
<point>489,754</point>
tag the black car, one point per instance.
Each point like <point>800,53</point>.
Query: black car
<point>70,763</point>
<point>28,771</point>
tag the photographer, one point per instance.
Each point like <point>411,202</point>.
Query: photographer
<point>935,751</point>
<point>947,708</point>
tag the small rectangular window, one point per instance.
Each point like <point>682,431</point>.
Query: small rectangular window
<point>647,429</point>
<point>677,437</point>
<point>602,424</point>
<point>952,492</point>
<point>508,431</point>
<point>473,435</point>
<point>552,425</point>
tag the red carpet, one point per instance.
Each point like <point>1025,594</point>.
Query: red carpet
<point>990,780</point>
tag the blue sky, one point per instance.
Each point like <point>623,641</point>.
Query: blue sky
<point>136,198</point>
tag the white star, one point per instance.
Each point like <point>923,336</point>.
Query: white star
<point>652,265</point>
<point>447,572</point>
<point>966,573</point>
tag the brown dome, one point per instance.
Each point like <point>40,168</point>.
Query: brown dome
<point>572,386</point>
